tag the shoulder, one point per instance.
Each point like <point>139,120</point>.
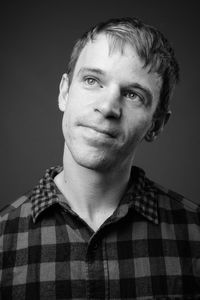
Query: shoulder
<point>170,199</point>
<point>12,218</point>
<point>20,208</point>
<point>31,203</point>
<point>9,208</point>
<point>179,218</point>
<point>176,209</point>
<point>166,197</point>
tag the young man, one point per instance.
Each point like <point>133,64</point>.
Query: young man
<point>97,228</point>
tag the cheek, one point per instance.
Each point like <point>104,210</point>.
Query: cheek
<point>75,106</point>
<point>70,121</point>
<point>64,125</point>
<point>138,127</point>
<point>66,122</point>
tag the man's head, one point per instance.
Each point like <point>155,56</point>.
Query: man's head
<point>151,46</point>
<point>116,93</point>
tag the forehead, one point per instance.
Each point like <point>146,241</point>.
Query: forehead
<point>119,61</point>
<point>104,48</point>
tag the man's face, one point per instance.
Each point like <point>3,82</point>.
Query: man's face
<point>108,107</point>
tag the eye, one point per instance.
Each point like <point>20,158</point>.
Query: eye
<point>132,96</point>
<point>90,81</point>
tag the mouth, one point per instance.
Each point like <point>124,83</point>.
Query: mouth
<point>107,132</point>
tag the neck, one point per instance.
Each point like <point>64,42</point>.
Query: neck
<point>90,193</point>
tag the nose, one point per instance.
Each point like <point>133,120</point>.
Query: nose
<point>109,104</point>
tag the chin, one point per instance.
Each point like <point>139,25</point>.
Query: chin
<point>93,161</point>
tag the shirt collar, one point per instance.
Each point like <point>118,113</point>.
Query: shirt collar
<point>44,194</point>
<point>141,195</point>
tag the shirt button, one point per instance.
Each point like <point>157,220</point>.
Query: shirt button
<point>196,266</point>
<point>95,246</point>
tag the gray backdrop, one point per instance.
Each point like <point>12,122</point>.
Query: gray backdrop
<point>36,41</point>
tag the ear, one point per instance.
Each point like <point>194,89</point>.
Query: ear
<point>63,92</point>
<point>157,126</point>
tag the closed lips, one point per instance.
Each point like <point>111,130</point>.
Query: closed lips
<point>110,133</point>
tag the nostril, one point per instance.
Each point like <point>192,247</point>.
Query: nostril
<point>110,112</point>
<point>109,109</point>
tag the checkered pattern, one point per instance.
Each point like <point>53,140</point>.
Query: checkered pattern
<point>148,249</point>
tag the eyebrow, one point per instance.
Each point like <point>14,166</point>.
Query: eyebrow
<point>136,85</point>
<point>91,70</point>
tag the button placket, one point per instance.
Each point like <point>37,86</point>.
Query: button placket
<point>93,268</point>
<point>95,246</point>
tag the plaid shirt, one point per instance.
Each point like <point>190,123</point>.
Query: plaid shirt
<point>148,249</point>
